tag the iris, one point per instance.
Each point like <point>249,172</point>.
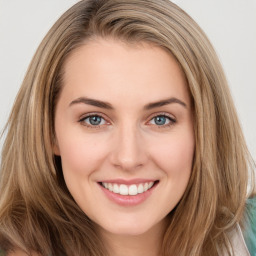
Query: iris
<point>94,120</point>
<point>160,120</point>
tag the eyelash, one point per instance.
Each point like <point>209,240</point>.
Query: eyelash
<point>172,120</point>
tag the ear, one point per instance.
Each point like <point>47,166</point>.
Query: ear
<point>55,148</point>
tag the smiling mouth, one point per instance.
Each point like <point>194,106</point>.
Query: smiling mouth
<point>132,189</point>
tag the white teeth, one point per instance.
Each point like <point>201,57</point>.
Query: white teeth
<point>140,189</point>
<point>116,189</point>
<point>110,187</point>
<point>131,190</point>
<point>123,190</point>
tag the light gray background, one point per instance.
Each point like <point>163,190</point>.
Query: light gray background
<point>230,25</point>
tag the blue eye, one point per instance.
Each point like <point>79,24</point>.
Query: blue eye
<point>162,120</point>
<point>93,120</point>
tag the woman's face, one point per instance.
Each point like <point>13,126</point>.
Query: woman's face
<point>124,131</point>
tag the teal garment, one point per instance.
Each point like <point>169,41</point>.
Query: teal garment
<point>250,232</point>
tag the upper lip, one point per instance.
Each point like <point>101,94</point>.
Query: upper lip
<point>128,182</point>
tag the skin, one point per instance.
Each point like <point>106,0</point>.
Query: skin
<point>128,143</point>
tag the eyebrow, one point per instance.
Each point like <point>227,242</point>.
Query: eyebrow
<point>93,102</point>
<point>164,102</point>
<point>106,105</point>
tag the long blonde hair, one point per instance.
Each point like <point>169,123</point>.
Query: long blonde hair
<point>38,214</point>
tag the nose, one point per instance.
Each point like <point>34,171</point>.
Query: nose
<point>128,149</point>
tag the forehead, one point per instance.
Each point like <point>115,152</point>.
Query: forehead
<point>113,68</point>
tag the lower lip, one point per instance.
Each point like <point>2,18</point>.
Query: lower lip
<point>127,200</point>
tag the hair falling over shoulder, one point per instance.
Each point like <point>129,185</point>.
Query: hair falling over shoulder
<point>38,214</point>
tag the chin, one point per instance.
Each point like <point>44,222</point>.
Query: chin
<point>129,229</point>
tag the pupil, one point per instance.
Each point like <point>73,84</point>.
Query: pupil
<point>95,120</point>
<point>160,120</point>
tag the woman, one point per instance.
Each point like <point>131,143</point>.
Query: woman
<point>125,140</point>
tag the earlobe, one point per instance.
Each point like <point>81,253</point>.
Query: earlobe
<point>55,148</point>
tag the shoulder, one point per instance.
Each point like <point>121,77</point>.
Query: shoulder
<point>237,243</point>
<point>250,226</point>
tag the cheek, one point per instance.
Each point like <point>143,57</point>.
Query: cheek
<point>174,155</point>
<point>80,153</point>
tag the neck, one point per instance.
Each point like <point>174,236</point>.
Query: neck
<point>146,244</point>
